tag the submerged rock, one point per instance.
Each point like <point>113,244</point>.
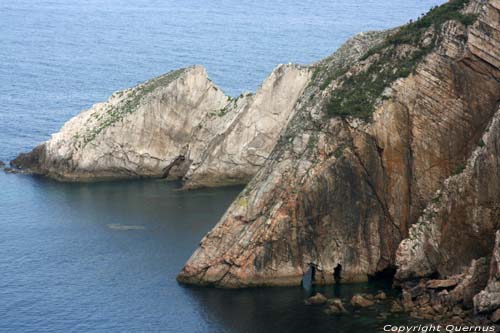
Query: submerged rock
<point>317,299</point>
<point>336,306</point>
<point>361,301</point>
<point>396,307</point>
<point>125,227</point>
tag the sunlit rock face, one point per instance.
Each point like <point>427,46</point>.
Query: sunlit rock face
<point>137,132</point>
<point>345,190</point>
<point>176,125</point>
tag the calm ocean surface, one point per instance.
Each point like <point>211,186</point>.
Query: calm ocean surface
<point>103,257</point>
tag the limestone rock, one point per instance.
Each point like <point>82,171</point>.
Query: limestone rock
<point>447,298</point>
<point>263,233</point>
<point>460,220</point>
<point>468,202</point>
<point>138,132</point>
<point>474,280</point>
<point>227,151</point>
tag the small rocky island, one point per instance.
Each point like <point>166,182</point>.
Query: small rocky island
<point>382,160</point>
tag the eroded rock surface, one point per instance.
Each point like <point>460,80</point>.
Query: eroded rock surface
<point>345,191</point>
<point>488,300</point>
<point>459,224</point>
<point>232,148</point>
<point>455,236</point>
<point>177,125</point>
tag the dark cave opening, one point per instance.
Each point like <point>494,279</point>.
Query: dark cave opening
<point>337,273</point>
<point>387,274</point>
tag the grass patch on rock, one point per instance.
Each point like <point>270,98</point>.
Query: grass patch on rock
<point>129,104</point>
<point>396,57</point>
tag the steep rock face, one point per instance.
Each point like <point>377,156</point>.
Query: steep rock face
<point>455,235</point>
<point>459,224</point>
<point>179,124</point>
<point>235,153</point>
<point>262,239</point>
<point>137,132</point>
<point>488,300</point>
<point>342,192</point>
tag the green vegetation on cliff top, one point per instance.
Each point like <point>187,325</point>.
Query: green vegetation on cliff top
<point>396,57</point>
<point>128,105</point>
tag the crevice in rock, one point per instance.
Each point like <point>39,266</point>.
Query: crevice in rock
<point>178,160</point>
<point>337,273</point>
<point>387,274</point>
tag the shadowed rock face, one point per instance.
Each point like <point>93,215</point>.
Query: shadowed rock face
<point>176,125</point>
<point>488,300</point>
<point>346,191</point>
<point>460,222</point>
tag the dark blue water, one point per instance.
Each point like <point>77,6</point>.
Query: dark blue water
<point>103,257</point>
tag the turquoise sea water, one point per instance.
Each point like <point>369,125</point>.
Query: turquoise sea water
<point>103,257</point>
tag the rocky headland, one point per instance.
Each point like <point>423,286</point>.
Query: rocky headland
<point>381,160</point>
<point>178,125</point>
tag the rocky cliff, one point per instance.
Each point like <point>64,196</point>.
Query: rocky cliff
<point>179,125</point>
<point>380,127</point>
<point>382,158</point>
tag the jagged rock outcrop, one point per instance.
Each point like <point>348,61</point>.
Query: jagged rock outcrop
<point>232,148</point>
<point>177,125</point>
<point>137,132</point>
<point>455,236</point>
<point>460,222</point>
<point>456,233</point>
<point>343,191</point>
<point>488,300</point>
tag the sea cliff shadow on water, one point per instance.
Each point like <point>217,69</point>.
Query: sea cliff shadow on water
<point>158,229</point>
<point>273,308</point>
